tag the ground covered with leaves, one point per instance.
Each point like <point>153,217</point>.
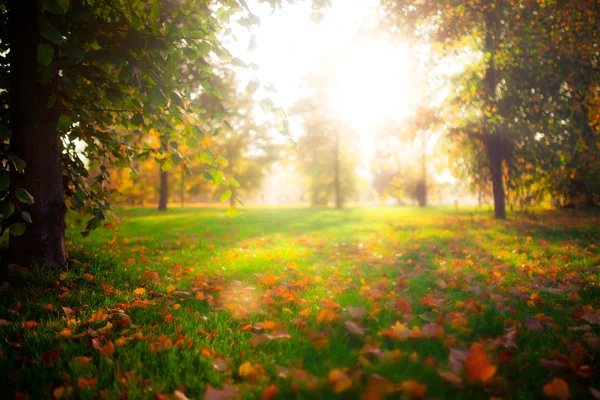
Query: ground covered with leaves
<point>362,303</point>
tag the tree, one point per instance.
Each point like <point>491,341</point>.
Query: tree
<point>325,148</point>
<point>100,73</point>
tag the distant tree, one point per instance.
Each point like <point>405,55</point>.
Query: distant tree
<point>326,147</point>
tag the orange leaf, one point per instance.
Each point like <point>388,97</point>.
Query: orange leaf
<point>29,324</point>
<point>339,380</point>
<point>87,383</point>
<point>269,393</point>
<point>557,389</point>
<point>477,366</point>
<point>413,389</point>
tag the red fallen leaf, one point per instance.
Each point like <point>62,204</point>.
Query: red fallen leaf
<point>82,361</point>
<point>354,328</point>
<point>594,343</point>
<point>557,389</point>
<point>228,392</point>
<point>477,366</point>
<point>585,328</point>
<point>592,318</point>
<point>533,324</point>
<point>107,349</point>
<point>452,378</point>
<point>258,339</point>
<point>554,365</point>
<point>263,337</point>
<point>457,359</point>
<point>356,312</point>
<point>29,325</point>
<point>87,383</point>
<point>433,330</point>
<point>4,322</point>
<point>50,357</point>
<point>269,393</point>
<point>121,320</point>
<point>505,356</point>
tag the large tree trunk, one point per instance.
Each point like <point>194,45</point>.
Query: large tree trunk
<point>493,143</point>
<point>337,185</point>
<point>494,153</point>
<point>36,139</point>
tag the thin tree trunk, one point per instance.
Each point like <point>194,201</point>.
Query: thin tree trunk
<point>422,193</point>
<point>164,181</point>
<point>182,187</point>
<point>36,139</point>
<point>164,190</point>
<point>337,184</point>
<point>493,143</point>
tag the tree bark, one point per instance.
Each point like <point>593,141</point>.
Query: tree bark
<point>492,142</point>
<point>164,181</point>
<point>494,153</point>
<point>164,190</point>
<point>36,139</point>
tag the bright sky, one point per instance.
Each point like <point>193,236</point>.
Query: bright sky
<point>374,81</point>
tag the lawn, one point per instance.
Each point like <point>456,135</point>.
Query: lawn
<point>310,303</point>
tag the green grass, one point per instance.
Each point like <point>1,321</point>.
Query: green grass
<point>286,265</point>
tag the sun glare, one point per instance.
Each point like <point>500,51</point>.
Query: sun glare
<point>375,82</point>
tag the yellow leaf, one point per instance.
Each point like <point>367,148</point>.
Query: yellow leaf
<point>246,369</point>
<point>139,291</point>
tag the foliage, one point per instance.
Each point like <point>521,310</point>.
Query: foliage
<point>372,302</point>
<point>127,68</point>
<point>327,148</point>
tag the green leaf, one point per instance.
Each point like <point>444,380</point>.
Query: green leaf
<point>7,208</point>
<point>207,176</point>
<point>266,105</point>
<point>4,181</point>
<point>233,212</point>
<point>233,182</point>
<point>225,196</point>
<point>64,123</point>
<point>155,10</point>
<point>203,49</point>
<point>56,6</point>
<point>51,33</point>
<point>252,86</point>
<point>166,165</point>
<point>17,163</point>
<point>137,119</point>
<point>156,97</point>
<point>45,53</point>
<point>27,217</point>
<point>51,100</point>
<point>23,196</point>
<point>17,229</point>
<point>205,157</point>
